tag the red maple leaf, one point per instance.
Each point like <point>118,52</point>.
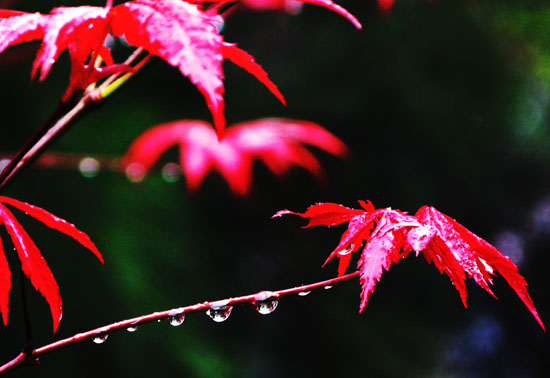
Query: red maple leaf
<point>80,30</point>
<point>277,142</point>
<point>32,263</point>
<point>182,34</point>
<point>389,235</point>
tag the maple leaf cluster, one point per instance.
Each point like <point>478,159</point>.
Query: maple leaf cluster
<point>32,263</point>
<point>390,235</point>
<point>275,141</point>
<point>184,34</point>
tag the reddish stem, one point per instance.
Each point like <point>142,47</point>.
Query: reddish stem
<point>133,322</point>
<point>50,130</point>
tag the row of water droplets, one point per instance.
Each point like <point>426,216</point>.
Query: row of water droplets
<point>265,304</point>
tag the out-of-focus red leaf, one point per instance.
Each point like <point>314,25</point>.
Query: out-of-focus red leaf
<point>32,263</point>
<point>385,5</point>
<point>18,27</point>
<point>187,38</point>
<point>390,235</point>
<point>277,142</point>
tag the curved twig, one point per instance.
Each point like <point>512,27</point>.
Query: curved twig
<point>178,311</point>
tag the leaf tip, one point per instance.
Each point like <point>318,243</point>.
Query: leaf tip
<point>280,213</point>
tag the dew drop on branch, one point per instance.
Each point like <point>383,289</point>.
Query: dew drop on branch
<point>135,172</point>
<point>132,329</point>
<point>171,172</point>
<point>176,320</point>
<point>328,287</point>
<point>303,293</point>
<point>100,339</point>
<point>219,314</point>
<point>267,306</point>
<point>89,167</point>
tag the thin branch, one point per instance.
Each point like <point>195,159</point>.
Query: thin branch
<point>59,110</point>
<point>178,311</point>
<point>51,129</point>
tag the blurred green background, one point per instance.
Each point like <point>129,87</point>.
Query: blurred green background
<point>444,103</point>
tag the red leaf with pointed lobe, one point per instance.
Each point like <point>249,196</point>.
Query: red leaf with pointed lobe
<point>390,235</point>
<point>326,214</point>
<point>477,257</point>
<point>54,222</point>
<point>246,61</point>
<point>80,30</point>
<point>184,36</point>
<point>5,283</point>
<point>386,244</point>
<point>187,38</point>
<point>277,142</point>
<point>179,32</point>
<point>32,263</point>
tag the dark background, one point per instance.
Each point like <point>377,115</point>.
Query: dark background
<point>443,103</point>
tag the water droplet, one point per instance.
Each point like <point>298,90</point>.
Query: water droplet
<point>219,314</point>
<point>267,306</point>
<point>177,320</point>
<point>100,339</point>
<point>303,293</point>
<point>135,172</point>
<point>328,287</point>
<point>171,172</point>
<point>88,167</point>
<point>3,164</point>
<point>132,329</point>
<point>219,23</point>
<point>347,250</point>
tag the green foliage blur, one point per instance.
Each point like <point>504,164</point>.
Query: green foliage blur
<point>441,102</point>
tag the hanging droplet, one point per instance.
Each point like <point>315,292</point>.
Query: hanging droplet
<point>219,23</point>
<point>3,164</point>
<point>135,172</point>
<point>219,314</point>
<point>132,329</point>
<point>328,287</point>
<point>267,306</point>
<point>303,293</point>
<point>171,172</point>
<point>347,251</point>
<point>177,320</point>
<point>89,167</point>
<point>100,339</point>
